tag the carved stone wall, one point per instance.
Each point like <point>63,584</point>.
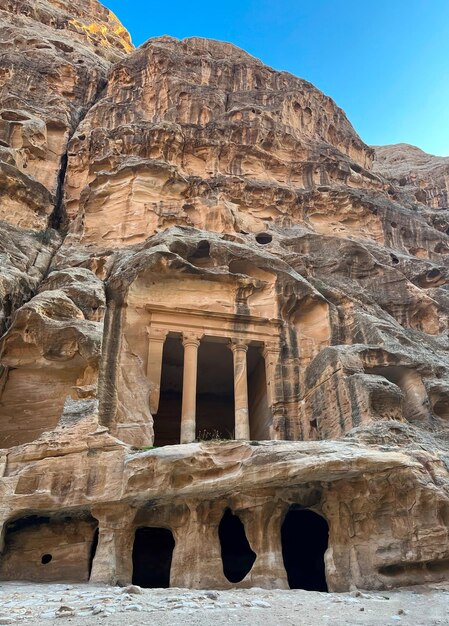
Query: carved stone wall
<point>219,309</point>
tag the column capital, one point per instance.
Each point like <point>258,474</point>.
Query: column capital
<point>238,345</point>
<point>270,349</point>
<point>191,339</point>
<point>156,334</point>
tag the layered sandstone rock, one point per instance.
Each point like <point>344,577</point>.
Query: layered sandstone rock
<point>52,67</point>
<point>234,337</point>
<point>422,175</point>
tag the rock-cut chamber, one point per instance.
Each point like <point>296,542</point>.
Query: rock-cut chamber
<point>304,536</point>
<point>152,557</point>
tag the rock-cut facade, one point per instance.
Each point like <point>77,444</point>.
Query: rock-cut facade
<point>224,353</point>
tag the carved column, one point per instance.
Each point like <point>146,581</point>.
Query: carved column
<point>112,563</point>
<point>275,391</point>
<point>239,350</point>
<point>197,556</point>
<point>263,530</point>
<point>188,416</point>
<point>156,340</point>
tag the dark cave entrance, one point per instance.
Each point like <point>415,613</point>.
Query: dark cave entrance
<point>152,557</point>
<point>49,549</point>
<point>236,553</point>
<point>304,537</point>
<point>215,392</point>
<point>167,421</point>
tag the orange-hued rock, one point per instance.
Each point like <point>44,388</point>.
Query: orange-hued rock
<point>53,65</point>
<point>224,358</point>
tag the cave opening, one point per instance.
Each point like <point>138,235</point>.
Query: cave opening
<point>152,557</point>
<point>304,536</point>
<point>49,549</point>
<point>236,553</point>
<point>215,391</point>
<point>167,421</point>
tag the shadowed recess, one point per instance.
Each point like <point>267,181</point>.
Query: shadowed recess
<point>152,557</point>
<point>46,549</point>
<point>304,541</point>
<point>167,421</point>
<point>236,553</point>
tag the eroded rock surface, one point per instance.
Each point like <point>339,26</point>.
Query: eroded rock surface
<point>53,64</point>
<point>225,350</point>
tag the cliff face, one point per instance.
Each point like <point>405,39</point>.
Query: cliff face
<point>159,206</point>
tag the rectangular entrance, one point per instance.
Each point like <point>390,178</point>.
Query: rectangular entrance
<point>215,392</point>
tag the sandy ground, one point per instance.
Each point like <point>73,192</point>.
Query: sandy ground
<point>85,605</point>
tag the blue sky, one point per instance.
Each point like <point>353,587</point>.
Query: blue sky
<point>385,62</point>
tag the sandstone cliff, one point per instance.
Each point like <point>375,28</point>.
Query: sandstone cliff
<point>157,205</point>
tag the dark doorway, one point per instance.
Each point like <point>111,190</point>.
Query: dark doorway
<point>236,553</point>
<point>152,556</point>
<point>167,421</point>
<point>215,392</point>
<point>304,541</point>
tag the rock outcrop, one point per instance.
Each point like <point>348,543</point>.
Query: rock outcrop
<point>225,350</point>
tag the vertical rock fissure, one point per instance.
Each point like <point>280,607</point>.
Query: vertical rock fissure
<point>57,218</point>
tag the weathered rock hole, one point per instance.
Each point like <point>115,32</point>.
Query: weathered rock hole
<point>14,116</point>
<point>201,256</point>
<point>394,225</point>
<point>305,536</point>
<point>441,248</point>
<point>62,46</point>
<point>236,554</point>
<point>433,273</point>
<point>416,568</point>
<point>394,259</point>
<point>264,238</point>
<point>441,408</point>
<point>152,557</point>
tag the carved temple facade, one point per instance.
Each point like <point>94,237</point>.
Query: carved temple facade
<point>254,384</point>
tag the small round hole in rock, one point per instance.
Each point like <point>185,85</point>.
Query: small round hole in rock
<point>435,273</point>
<point>46,558</point>
<point>264,238</point>
<point>394,259</point>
